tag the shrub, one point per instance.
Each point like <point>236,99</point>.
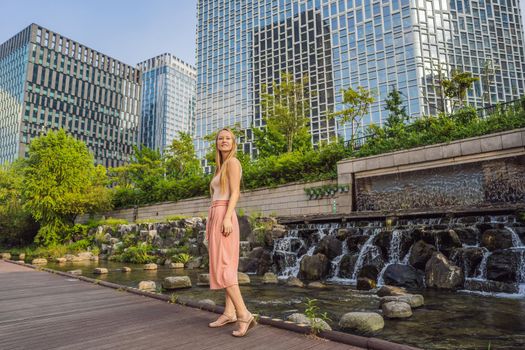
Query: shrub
<point>138,255</point>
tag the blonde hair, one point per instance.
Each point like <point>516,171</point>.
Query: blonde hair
<point>220,164</point>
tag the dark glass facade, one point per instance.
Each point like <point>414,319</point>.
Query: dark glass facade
<point>49,82</point>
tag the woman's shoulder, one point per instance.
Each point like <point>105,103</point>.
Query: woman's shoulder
<point>233,163</point>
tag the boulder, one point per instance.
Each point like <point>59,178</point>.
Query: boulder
<point>126,269</point>
<point>362,322</point>
<point>85,255</point>
<point>176,282</point>
<point>421,253</point>
<point>354,242</point>
<point>365,283</point>
<point>467,235</point>
<point>329,246</point>
<point>496,239</point>
<point>491,286</point>
<point>5,256</point>
<point>469,258</point>
<point>294,282</point>
<point>60,260</point>
<point>314,267</point>
<point>370,272</point>
<point>194,263</point>
<point>442,274</point>
<point>100,271</point>
<point>317,285</point>
<point>344,233</point>
<point>151,266</point>
<point>403,276</point>
<point>396,309</point>
<point>387,290</point>
<point>302,319</point>
<point>243,278</point>
<point>39,261</point>
<point>206,302</point>
<point>149,286</point>
<point>244,248</point>
<point>269,278</point>
<point>203,279</point>
<point>414,300</point>
<point>75,272</point>
<point>347,264</point>
<point>502,265</point>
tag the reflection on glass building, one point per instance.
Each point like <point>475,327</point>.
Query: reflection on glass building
<point>48,82</point>
<point>168,100</point>
<point>377,44</point>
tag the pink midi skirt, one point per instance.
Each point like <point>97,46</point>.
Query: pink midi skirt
<point>223,251</point>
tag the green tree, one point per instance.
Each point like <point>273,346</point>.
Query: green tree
<point>397,111</point>
<point>285,109</point>
<point>356,104</point>
<point>17,227</point>
<point>180,158</point>
<point>457,87</point>
<point>61,182</point>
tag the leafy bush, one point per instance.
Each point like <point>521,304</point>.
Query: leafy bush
<point>183,258</point>
<point>138,255</point>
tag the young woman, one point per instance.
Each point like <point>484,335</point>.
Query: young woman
<point>222,232</point>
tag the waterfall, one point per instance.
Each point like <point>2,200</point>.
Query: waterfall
<point>516,241</point>
<point>283,246</point>
<point>481,272</point>
<point>336,264</point>
<point>362,253</point>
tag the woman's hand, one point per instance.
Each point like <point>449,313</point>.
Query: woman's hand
<point>227,227</point>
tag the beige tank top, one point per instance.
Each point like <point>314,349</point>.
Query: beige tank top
<point>216,185</point>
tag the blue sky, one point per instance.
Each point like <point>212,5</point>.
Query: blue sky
<point>128,30</point>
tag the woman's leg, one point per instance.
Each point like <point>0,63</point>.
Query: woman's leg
<point>242,312</point>
<point>229,307</point>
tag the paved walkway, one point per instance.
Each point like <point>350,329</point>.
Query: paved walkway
<point>40,310</point>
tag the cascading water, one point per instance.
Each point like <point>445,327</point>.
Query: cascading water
<point>362,254</point>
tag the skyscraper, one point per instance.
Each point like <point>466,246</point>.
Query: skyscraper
<point>168,100</point>
<point>348,43</point>
<point>48,81</point>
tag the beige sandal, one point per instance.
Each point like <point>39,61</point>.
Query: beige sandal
<point>251,323</point>
<point>218,323</point>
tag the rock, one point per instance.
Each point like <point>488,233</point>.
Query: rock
<point>206,302</point>
<point>176,282</point>
<point>347,264</point>
<point>265,262</point>
<point>370,272</point>
<point>203,279</point>
<point>94,258</point>
<point>496,239</point>
<point>75,272</point>
<point>395,309</point>
<point>151,266</point>
<point>270,278</point>
<point>194,263</point>
<point>447,240</point>
<point>247,264</point>
<point>244,248</point>
<point>502,265</point>
<point>317,285</point>
<point>277,231</point>
<point>314,267</point>
<point>354,242</point>
<point>125,269</point>
<point>6,256</point>
<point>85,255</point>
<point>243,278</point>
<point>100,271</point>
<point>491,286</point>
<point>421,253</point>
<point>469,258</point>
<point>302,319</point>
<point>330,246</point>
<point>176,265</point>
<point>22,256</point>
<point>467,235</point>
<point>70,257</point>
<point>403,276</point>
<point>60,260</point>
<point>414,300</point>
<point>39,261</point>
<point>364,283</point>
<point>362,322</point>
<point>440,273</point>
<point>149,286</point>
<point>113,241</point>
<point>294,282</point>
<point>387,290</point>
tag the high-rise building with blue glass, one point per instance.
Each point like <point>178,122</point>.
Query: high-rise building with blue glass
<point>48,81</point>
<point>168,100</point>
<point>376,44</point>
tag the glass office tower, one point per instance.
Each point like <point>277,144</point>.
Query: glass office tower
<point>48,81</point>
<point>377,44</point>
<point>168,100</point>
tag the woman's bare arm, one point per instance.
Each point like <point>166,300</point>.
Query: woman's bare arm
<point>234,181</point>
